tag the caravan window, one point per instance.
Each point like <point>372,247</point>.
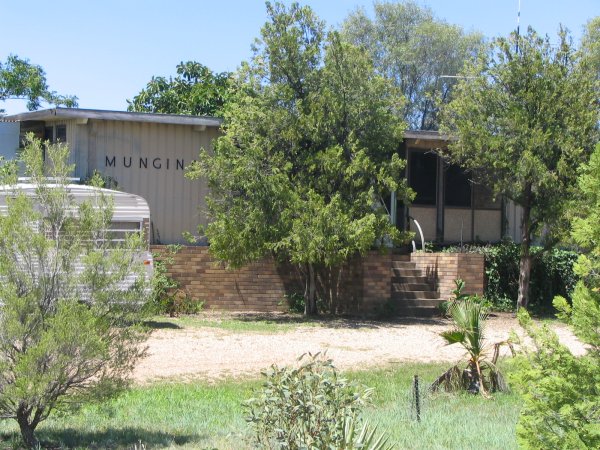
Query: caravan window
<point>120,230</point>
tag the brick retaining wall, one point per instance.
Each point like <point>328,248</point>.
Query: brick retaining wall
<point>365,284</point>
<point>443,268</point>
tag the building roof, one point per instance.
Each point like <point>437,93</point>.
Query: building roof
<point>425,135</point>
<point>77,113</point>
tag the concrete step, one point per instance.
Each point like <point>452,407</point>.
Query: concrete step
<point>401,286</point>
<point>428,294</point>
<point>404,265</point>
<point>402,272</point>
<point>417,302</point>
<point>408,311</point>
<point>400,258</point>
<point>410,279</point>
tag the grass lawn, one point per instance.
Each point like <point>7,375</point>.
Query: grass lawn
<point>239,323</point>
<point>203,415</point>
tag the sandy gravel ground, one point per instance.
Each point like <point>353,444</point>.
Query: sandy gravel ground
<point>211,353</point>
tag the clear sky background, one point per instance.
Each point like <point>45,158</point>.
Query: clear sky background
<point>105,51</point>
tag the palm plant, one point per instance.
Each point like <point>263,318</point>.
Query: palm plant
<point>469,317</point>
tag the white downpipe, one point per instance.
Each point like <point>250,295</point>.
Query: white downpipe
<point>420,234</point>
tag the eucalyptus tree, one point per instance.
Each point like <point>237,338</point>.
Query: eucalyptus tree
<point>525,116</point>
<point>418,52</point>
<point>309,149</point>
<point>19,79</point>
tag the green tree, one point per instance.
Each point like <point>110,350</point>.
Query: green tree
<point>309,149</point>
<point>69,330</point>
<point>415,50</point>
<point>196,90</point>
<point>590,44</point>
<point>19,79</point>
<point>561,391</point>
<point>524,119</point>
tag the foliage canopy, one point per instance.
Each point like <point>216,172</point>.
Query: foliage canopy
<point>70,299</point>
<point>417,51</point>
<point>196,90</point>
<point>561,390</point>
<point>19,79</point>
<point>308,153</point>
<point>524,120</point>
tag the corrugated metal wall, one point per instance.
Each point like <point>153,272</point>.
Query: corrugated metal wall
<point>148,159</point>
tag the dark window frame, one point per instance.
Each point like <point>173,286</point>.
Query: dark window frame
<point>426,192</point>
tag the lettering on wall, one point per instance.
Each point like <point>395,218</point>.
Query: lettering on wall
<point>145,163</point>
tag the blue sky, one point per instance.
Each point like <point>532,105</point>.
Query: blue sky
<point>105,51</point>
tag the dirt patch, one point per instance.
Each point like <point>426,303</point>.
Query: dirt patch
<point>213,353</point>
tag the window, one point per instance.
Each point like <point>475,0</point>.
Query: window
<point>423,176</point>
<point>457,189</point>
<point>55,133</point>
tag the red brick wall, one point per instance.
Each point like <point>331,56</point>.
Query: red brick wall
<point>443,268</point>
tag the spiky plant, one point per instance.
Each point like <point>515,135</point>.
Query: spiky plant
<point>469,317</point>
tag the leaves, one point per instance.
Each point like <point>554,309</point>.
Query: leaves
<point>21,79</point>
<point>69,330</point>
<point>415,50</point>
<point>196,90</point>
<point>309,150</point>
<point>310,406</point>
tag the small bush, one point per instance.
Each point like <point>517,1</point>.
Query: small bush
<point>166,297</point>
<point>552,274</point>
<point>310,406</point>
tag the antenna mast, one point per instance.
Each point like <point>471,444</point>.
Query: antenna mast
<point>518,24</point>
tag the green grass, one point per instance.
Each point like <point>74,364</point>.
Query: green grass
<point>266,323</point>
<point>203,415</point>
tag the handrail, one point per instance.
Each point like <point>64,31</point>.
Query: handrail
<point>420,234</point>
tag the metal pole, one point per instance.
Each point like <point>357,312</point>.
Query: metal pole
<point>417,398</point>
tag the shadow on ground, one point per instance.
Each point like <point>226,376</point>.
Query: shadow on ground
<point>341,322</point>
<point>122,438</point>
<point>161,325</point>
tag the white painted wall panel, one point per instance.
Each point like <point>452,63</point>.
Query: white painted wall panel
<point>426,218</point>
<point>457,221</point>
<point>488,225</point>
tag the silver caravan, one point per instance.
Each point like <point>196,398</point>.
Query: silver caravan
<point>131,214</point>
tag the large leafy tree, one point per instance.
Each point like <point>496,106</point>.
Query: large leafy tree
<point>309,150</point>
<point>415,50</point>
<point>71,299</point>
<point>561,391</point>
<point>19,79</point>
<point>590,44</point>
<point>525,116</point>
<point>196,90</point>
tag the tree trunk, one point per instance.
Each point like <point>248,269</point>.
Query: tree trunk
<point>310,306</point>
<point>525,262</point>
<point>27,429</point>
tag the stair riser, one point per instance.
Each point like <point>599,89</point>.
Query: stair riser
<point>416,294</point>
<point>396,287</point>
<point>417,303</point>
<point>411,279</point>
<point>404,265</point>
<point>406,272</point>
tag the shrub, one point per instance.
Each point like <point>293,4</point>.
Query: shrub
<point>309,406</point>
<point>552,274</point>
<point>166,297</point>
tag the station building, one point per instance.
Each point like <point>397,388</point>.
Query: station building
<point>146,154</point>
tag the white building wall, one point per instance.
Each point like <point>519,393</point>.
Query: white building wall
<point>9,139</point>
